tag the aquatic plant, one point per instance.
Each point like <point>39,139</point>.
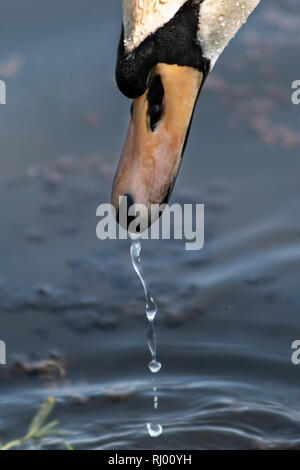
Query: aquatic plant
<point>39,428</point>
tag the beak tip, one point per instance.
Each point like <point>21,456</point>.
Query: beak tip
<point>124,204</point>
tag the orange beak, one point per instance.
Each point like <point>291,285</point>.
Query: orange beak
<point>156,137</point>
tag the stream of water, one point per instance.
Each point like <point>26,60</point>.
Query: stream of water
<point>154,428</point>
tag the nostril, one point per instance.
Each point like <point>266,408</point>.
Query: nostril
<point>155,101</point>
<point>129,200</point>
<point>123,217</point>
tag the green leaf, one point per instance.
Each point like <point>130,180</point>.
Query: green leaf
<point>68,446</point>
<point>40,418</point>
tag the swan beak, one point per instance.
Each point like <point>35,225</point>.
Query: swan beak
<point>156,137</point>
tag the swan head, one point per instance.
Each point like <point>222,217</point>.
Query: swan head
<point>166,50</point>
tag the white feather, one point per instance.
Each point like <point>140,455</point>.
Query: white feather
<point>143,17</point>
<point>219,21</point>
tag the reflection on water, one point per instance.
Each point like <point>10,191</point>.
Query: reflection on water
<point>71,306</point>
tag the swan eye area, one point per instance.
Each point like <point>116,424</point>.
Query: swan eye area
<point>155,101</point>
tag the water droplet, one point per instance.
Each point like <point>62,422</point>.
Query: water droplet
<point>154,366</point>
<point>151,309</point>
<point>154,429</point>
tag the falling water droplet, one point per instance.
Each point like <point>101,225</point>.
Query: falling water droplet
<point>154,429</point>
<point>154,366</point>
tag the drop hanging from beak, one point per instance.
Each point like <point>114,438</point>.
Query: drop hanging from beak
<point>159,126</point>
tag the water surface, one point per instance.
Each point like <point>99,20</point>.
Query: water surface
<point>227,314</point>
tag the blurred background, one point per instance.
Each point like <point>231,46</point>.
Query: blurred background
<point>71,307</point>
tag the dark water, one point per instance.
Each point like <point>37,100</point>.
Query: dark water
<point>227,314</point>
